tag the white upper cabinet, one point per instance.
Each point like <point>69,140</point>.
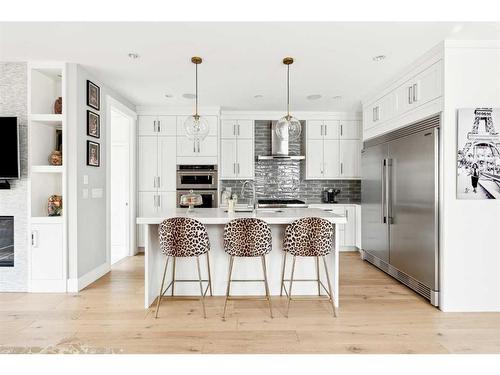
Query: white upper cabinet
<point>314,159</point>
<point>166,163</point>
<point>350,151</point>
<point>189,148</point>
<point>237,129</point>
<point>350,129</point>
<point>237,149</point>
<point>148,125</point>
<point>157,125</point>
<point>331,161</point>
<point>319,129</point>
<point>315,129</point>
<point>416,95</point>
<point>331,129</point>
<point>167,125</point>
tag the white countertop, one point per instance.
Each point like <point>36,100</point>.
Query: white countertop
<point>218,216</point>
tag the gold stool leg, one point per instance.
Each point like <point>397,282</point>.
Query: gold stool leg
<point>329,287</point>
<point>317,276</point>
<point>290,288</point>
<point>283,274</point>
<point>209,276</point>
<point>173,275</point>
<point>201,287</point>
<point>231,260</point>
<point>264,269</point>
<point>161,288</point>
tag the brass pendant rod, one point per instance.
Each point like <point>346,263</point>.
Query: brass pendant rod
<point>196,98</point>
<point>288,90</point>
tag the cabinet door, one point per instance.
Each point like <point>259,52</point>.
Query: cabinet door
<point>350,227</point>
<point>148,204</point>
<point>314,158</point>
<point>331,160</point>
<point>331,129</point>
<point>244,129</point>
<point>350,155</point>
<point>148,125</point>
<point>315,129</point>
<point>228,158</point>
<point>167,163</point>
<point>229,128</point>
<point>47,252</point>
<point>148,163</point>
<point>428,84</point>
<point>188,147</point>
<point>167,125</point>
<point>167,203</point>
<point>245,159</point>
<point>350,129</point>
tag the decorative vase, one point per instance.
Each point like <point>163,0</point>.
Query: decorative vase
<point>55,158</point>
<point>54,206</point>
<point>58,106</point>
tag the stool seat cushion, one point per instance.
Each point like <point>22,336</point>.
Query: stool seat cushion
<point>247,237</point>
<point>309,236</point>
<point>183,237</point>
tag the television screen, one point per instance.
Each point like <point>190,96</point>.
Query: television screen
<point>9,148</point>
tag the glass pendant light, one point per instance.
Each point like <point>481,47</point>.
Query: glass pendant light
<point>288,127</point>
<point>196,126</point>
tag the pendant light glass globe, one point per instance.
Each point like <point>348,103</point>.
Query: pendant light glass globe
<point>288,127</point>
<point>196,127</point>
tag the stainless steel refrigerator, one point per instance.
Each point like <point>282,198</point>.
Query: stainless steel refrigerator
<point>399,203</point>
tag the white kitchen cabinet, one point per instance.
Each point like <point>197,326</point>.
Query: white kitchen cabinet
<point>167,125</point>
<point>148,163</point>
<point>319,129</point>
<point>331,129</point>
<point>331,161</point>
<point>189,148</point>
<point>237,159</point>
<point>237,129</point>
<point>228,158</point>
<point>315,129</point>
<point>314,158</point>
<point>47,258</point>
<point>157,125</point>
<point>350,129</point>
<point>147,125</point>
<point>350,151</point>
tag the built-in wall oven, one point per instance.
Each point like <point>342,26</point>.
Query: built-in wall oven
<point>202,179</point>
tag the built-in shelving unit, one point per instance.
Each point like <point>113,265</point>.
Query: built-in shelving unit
<point>48,255</point>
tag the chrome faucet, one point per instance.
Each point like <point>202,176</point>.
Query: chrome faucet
<point>251,202</point>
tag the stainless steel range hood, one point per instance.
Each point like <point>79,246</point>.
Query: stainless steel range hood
<point>279,148</point>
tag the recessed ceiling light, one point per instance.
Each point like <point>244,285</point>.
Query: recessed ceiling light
<point>313,97</point>
<point>169,96</point>
<point>258,96</point>
<point>133,55</point>
<point>337,97</point>
<point>378,58</point>
<point>189,96</point>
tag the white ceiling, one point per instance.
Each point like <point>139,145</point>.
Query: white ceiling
<point>241,60</point>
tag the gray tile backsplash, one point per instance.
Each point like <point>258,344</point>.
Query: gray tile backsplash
<point>285,178</point>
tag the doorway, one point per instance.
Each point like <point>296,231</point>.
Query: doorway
<point>121,182</point>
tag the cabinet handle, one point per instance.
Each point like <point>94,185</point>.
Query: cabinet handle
<point>326,129</point>
<point>341,168</point>
<point>238,167</point>
<point>234,168</point>
<point>159,126</point>
<point>321,131</point>
<point>346,214</point>
<point>154,126</point>
<point>238,129</point>
<point>194,146</point>
<point>159,181</point>
<point>415,96</point>
<point>34,238</point>
<point>341,130</point>
<point>198,146</point>
<point>159,200</point>
<point>410,95</point>
<point>234,129</point>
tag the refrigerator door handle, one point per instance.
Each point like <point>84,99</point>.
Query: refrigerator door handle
<point>390,218</point>
<point>384,217</point>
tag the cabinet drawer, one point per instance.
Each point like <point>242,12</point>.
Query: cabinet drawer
<point>188,147</point>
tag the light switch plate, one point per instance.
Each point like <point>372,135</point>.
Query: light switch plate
<point>85,193</point>
<point>85,179</point>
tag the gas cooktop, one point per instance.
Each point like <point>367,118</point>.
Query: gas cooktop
<point>281,203</point>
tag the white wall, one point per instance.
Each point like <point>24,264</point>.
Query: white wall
<point>87,221</point>
<point>470,230</point>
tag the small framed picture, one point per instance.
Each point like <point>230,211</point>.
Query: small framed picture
<point>93,124</point>
<point>93,95</point>
<point>93,154</point>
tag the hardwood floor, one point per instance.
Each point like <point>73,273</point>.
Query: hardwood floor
<point>377,315</point>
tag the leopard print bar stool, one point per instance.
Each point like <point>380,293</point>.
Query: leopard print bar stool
<point>184,237</point>
<point>247,237</point>
<point>308,237</point>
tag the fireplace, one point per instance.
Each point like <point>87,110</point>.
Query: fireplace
<point>6,241</point>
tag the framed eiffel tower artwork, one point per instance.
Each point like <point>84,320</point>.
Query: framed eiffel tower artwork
<point>478,153</point>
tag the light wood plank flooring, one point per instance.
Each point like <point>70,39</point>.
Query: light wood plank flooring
<point>377,315</point>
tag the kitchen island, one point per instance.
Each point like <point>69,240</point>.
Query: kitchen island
<point>244,268</point>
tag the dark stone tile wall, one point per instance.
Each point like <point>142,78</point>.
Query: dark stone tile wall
<point>285,178</point>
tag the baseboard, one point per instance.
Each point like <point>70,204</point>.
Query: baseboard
<point>93,275</point>
<point>47,286</point>
<point>345,249</point>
